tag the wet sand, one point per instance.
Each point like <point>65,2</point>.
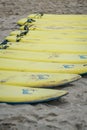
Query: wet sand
<point>68,113</point>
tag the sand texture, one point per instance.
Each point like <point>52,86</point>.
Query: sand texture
<point>68,113</point>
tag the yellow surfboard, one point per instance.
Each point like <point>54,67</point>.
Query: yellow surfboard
<point>42,35</point>
<point>55,39</point>
<point>31,79</point>
<point>52,28</point>
<point>20,95</point>
<point>29,66</point>
<point>58,17</point>
<point>50,34</point>
<point>60,24</point>
<point>59,48</point>
<point>52,18</point>
<point>44,56</point>
<point>57,23</point>
<point>62,21</point>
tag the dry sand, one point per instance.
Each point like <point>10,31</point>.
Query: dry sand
<point>68,113</point>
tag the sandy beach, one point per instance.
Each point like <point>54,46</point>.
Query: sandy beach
<point>68,113</point>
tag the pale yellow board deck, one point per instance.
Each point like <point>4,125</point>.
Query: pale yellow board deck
<point>50,24</point>
<point>59,48</point>
<point>16,95</point>
<point>58,24</point>
<point>61,21</point>
<point>57,40</point>
<point>50,36</point>
<point>31,79</point>
<point>57,28</point>
<point>66,19</point>
<point>29,66</point>
<point>59,17</point>
<point>47,34</point>
<point>54,18</point>
<point>43,56</point>
<point>52,28</point>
